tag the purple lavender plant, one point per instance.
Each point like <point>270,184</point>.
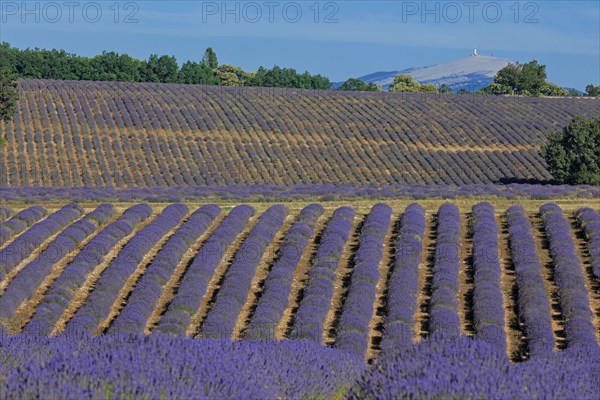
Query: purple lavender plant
<point>443,308</point>
<point>275,295</point>
<point>399,323</point>
<point>98,304</point>
<point>75,273</point>
<point>353,330</point>
<point>140,304</point>
<point>194,283</point>
<point>534,307</point>
<point>20,222</point>
<point>316,299</point>
<point>24,284</point>
<point>488,306</point>
<point>28,241</point>
<point>589,220</point>
<point>568,275</point>
<point>233,292</point>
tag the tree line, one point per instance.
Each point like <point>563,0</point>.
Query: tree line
<point>111,66</point>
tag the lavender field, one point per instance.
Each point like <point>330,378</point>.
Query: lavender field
<point>140,135</point>
<point>362,300</point>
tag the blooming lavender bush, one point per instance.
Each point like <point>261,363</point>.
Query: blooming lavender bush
<point>20,222</point>
<point>98,304</point>
<point>458,367</point>
<point>24,284</point>
<point>271,192</point>
<point>233,292</point>
<point>399,323</point>
<point>164,367</point>
<point>316,300</point>
<point>140,304</point>
<point>74,275</point>
<point>275,294</point>
<point>534,306</point>
<point>488,306</point>
<point>353,330</point>
<point>194,283</point>
<point>568,275</point>
<point>28,241</point>
<point>590,222</point>
<point>443,308</point>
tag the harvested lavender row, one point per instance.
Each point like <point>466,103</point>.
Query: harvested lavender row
<point>140,304</point>
<point>75,273</point>
<point>194,283</point>
<point>5,213</point>
<point>590,222</point>
<point>353,329</point>
<point>568,275</point>
<point>443,308</point>
<point>276,292</point>
<point>97,306</point>
<point>20,222</point>
<point>534,307</point>
<point>316,300</point>
<point>20,248</point>
<point>24,284</point>
<point>403,285</point>
<point>488,302</point>
<point>220,320</point>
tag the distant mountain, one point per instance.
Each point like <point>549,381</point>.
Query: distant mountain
<point>471,73</point>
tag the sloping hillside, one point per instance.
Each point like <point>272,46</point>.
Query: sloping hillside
<point>147,135</point>
<point>471,73</point>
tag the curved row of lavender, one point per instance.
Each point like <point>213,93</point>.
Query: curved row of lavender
<point>403,285</point>
<point>140,304</point>
<point>20,221</point>
<point>589,220</point>
<point>488,301</point>
<point>195,281</point>
<point>74,275</point>
<point>27,280</point>
<point>533,303</point>
<point>316,299</point>
<point>297,192</point>
<point>20,248</point>
<point>276,291</point>
<point>97,306</point>
<point>352,333</point>
<point>568,275</point>
<point>443,306</point>
<point>233,292</point>
<point>5,213</point>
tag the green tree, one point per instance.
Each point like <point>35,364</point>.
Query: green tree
<point>358,85</point>
<point>574,93</point>
<point>524,79</point>
<point>210,58</point>
<point>9,94</point>
<point>573,155</point>
<point>444,88</point>
<point>406,83</point>
<point>230,75</point>
<point>592,91</point>
<point>198,74</point>
<point>160,69</point>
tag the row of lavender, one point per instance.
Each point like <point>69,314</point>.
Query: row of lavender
<point>298,192</point>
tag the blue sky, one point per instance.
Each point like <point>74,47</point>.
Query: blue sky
<point>339,39</point>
